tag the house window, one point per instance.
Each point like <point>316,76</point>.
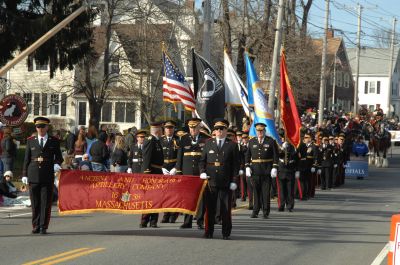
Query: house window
<point>114,66</point>
<point>120,112</point>
<point>346,81</point>
<point>339,79</point>
<point>378,87</point>
<point>54,105</point>
<point>28,99</point>
<point>30,63</point>
<point>130,112</point>
<point>366,87</point>
<point>63,104</point>
<point>41,66</point>
<point>106,112</point>
<point>82,113</point>
<point>44,104</point>
<point>372,87</point>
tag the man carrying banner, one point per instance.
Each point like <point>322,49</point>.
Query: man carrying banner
<point>170,144</point>
<point>153,160</point>
<point>219,164</point>
<point>135,158</point>
<point>189,154</point>
<point>42,157</point>
<point>261,164</point>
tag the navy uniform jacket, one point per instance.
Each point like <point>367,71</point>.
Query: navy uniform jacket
<point>39,163</point>
<point>262,157</point>
<point>326,155</point>
<point>189,154</point>
<point>170,151</point>
<point>288,161</point>
<point>135,158</point>
<point>242,153</point>
<point>220,165</point>
<point>153,157</point>
<point>307,156</point>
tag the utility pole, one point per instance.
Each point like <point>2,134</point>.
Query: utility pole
<point>334,84</point>
<point>355,108</point>
<point>207,30</point>
<point>275,58</point>
<point>322,86</point>
<point>391,67</point>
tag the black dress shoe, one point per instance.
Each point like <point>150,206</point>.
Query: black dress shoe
<point>143,225</point>
<point>265,216</point>
<point>36,230</point>
<point>225,238</point>
<point>281,209</point>
<point>154,226</point>
<point>254,215</point>
<point>200,226</point>
<point>290,210</point>
<point>209,236</point>
<point>43,231</point>
<point>185,226</point>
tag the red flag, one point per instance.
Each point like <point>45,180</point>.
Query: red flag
<point>289,114</point>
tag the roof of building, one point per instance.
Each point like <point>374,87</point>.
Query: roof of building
<point>373,61</point>
<point>332,48</point>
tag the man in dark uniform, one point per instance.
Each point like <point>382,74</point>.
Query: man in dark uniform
<point>326,156</point>
<point>306,165</point>
<point>219,165</point>
<point>153,160</point>
<point>42,157</point>
<point>261,164</point>
<point>288,159</point>
<point>135,158</point>
<point>170,145</point>
<point>189,154</point>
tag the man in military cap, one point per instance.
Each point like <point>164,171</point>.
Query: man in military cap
<point>261,165</point>
<point>306,165</point>
<point>189,154</point>
<point>153,160</point>
<point>288,173</point>
<point>219,165</point>
<point>246,182</point>
<point>42,158</point>
<point>135,158</point>
<point>170,145</point>
<point>326,164</point>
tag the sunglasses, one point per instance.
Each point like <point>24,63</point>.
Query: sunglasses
<point>140,136</point>
<point>219,128</point>
<point>40,125</point>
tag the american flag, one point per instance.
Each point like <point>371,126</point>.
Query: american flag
<point>175,87</point>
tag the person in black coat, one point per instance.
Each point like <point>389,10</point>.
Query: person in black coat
<point>99,153</point>
<point>219,164</point>
<point>135,157</point>
<point>261,165</point>
<point>326,152</point>
<point>9,150</point>
<point>42,157</point>
<point>189,154</point>
<point>153,160</point>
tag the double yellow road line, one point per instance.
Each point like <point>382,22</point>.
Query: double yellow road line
<point>64,256</point>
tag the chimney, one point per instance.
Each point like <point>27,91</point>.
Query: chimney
<point>330,33</point>
<point>189,4</point>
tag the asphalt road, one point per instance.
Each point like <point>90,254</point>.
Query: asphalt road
<point>348,225</point>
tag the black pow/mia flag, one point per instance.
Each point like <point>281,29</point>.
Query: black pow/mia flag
<point>209,91</point>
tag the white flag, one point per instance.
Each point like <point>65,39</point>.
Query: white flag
<point>235,91</point>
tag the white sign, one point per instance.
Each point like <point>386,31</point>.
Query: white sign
<point>395,135</point>
<point>396,249</point>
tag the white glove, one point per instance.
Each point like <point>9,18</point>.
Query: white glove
<point>165,171</point>
<point>297,174</point>
<point>335,166</point>
<point>129,170</point>
<point>313,170</point>
<point>204,176</point>
<point>248,172</point>
<point>274,173</point>
<point>25,180</point>
<point>285,145</point>
<point>241,172</point>
<point>173,172</point>
<point>57,167</point>
<point>319,171</point>
<point>232,186</point>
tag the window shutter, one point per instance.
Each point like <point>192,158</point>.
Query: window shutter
<point>366,87</point>
<point>378,87</point>
<point>36,104</point>
<point>63,104</point>
<point>44,104</point>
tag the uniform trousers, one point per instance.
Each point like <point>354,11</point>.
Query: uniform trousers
<point>250,192</point>
<point>326,177</point>
<point>262,195</point>
<point>212,196</point>
<point>285,188</point>
<point>305,176</point>
<point>41,200</point>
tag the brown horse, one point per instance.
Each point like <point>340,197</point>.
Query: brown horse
<point>380,141</point>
